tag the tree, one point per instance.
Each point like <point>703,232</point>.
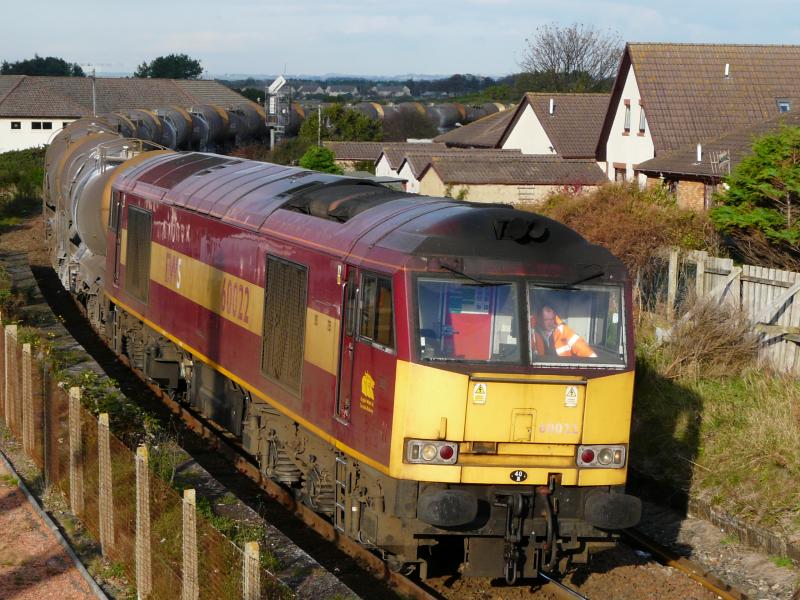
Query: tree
<point>318,158</point>
<point>172,66</point>
<point>49,65</point>
<point>341,124</point>
<point>573,58</point>
<point>406,124</point>
<point>764,190</point>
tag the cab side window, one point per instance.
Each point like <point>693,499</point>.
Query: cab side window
<point>377,311</point>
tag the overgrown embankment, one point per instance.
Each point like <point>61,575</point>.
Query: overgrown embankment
<point>708,419</point>
<point>21,178</point>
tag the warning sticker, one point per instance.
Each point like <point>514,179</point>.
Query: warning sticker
<point>571,396</point>
<point>479,393</point>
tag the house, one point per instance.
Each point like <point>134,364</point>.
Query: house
<point>485,132</point>
<point>693,172</point>
<point>34,109</point>
<point>672,96</point>
<point>416,160</point>
<point>392,154</point>
<point>567,125</point>
<point>310,90</point>
<point>524,179</point>
<point>348,154</point>
<point>341,90</point>
<point>391,91</point>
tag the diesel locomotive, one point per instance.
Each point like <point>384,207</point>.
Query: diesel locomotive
<point>374,351</point>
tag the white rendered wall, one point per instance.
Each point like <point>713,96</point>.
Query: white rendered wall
<point>528,135</point>
<point>26,137</point>
<point>382,169</point>
<point>633,148</point>
<point>412,183</point>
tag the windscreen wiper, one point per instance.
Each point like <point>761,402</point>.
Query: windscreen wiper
<point>571,285</point>
<point>477,281</point>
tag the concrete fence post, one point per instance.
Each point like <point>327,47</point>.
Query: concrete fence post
<point>672,282</point>
<point>75,453</point>
<point>106,499</point>
<point>251,576</point>
<point>191,587</point>
<point>28,439</point>
<point>144,577</point>
<point>10,344</point>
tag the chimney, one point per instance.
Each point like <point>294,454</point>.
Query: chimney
<point>552,106</point>
<point>699,153</point>
<point>727,70</point>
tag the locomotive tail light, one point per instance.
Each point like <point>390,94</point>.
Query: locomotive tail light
<point>601,457</point>
<point>432,452</point>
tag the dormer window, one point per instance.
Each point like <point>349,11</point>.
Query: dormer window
<point>784,105</point>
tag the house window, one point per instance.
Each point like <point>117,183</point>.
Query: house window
<point>627,125</point>
<point>36,124</point>
<point>377,318</point>
<point>642,120</point>
<point>619,174</point>
<point>64,124</point>
<point>16,125</point>
<point>283,340</point>
<point>784,105</point>
<point>47,124</point>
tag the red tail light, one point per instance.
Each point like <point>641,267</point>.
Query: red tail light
<point>446,452</point>
<point>587,456</point>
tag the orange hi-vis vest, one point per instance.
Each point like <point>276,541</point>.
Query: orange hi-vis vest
<point>565,342</point>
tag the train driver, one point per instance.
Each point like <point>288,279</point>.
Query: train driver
<point>552,336</point>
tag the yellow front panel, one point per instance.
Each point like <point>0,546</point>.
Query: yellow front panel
<point>432,404</point>
<point>607,418</point>
<point>602,476</point>
<point>525,412</point>
<point>423,397</point>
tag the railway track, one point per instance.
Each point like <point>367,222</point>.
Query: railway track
<point>223,443</point>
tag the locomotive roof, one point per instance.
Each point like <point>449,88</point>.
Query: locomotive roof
<point>349,215</point>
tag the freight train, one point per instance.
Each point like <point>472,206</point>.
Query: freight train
<point>379,353</point>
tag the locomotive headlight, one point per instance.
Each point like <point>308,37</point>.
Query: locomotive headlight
<point>434,452</point>
<point>429,452</point>
<point>605,456</point>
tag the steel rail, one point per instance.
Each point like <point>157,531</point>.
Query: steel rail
<point>693,570</point>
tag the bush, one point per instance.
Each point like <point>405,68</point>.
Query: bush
<point>711,341</point>
<point>635,225</point>
<point>321,159</point>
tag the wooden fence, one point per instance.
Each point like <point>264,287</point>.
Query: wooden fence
<point>768,296</point>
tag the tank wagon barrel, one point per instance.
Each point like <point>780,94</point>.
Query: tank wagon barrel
<point>418,369</point>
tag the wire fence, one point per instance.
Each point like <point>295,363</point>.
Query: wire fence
<point>144,526</point>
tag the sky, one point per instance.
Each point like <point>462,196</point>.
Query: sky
<point>365,37</point>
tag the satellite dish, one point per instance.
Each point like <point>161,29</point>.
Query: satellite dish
<point>276,85</point>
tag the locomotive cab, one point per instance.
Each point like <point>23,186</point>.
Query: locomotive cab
<point>513,411</point>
